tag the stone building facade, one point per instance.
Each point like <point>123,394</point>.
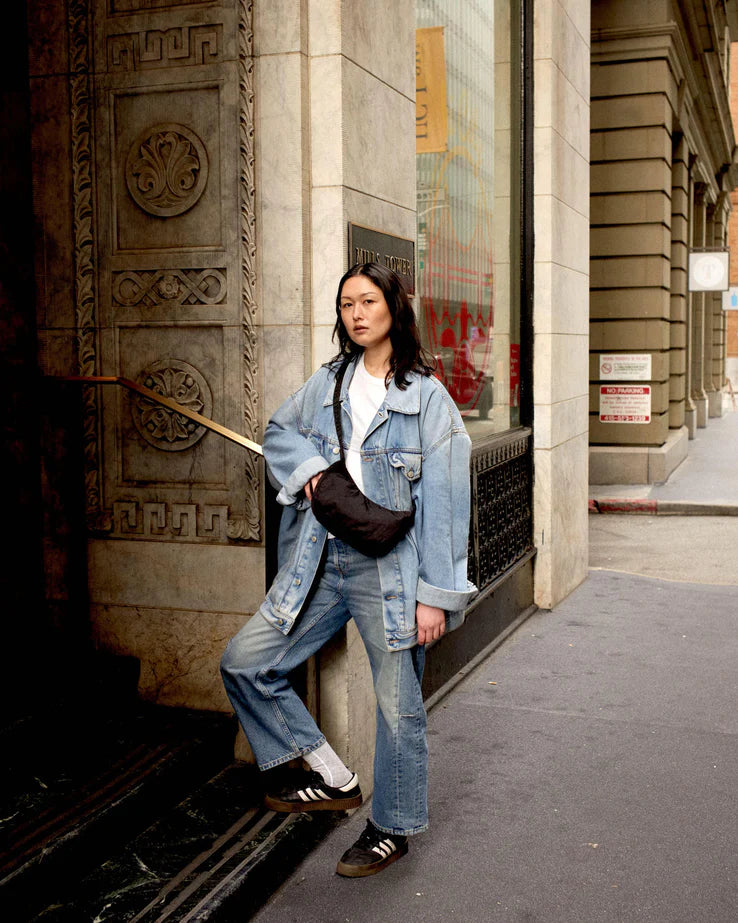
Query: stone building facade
<point>662,172</point>
<point>199,168</point>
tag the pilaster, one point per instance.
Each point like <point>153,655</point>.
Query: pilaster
<point>561,180</point>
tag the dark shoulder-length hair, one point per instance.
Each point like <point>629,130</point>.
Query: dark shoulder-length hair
<point>407,353</point>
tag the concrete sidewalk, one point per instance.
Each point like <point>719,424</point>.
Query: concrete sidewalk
<point>587,769</point>
<point>706,482</point>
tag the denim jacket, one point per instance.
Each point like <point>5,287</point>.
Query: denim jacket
<point>415,450</point>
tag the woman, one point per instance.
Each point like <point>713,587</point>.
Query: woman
<point>405,445</point>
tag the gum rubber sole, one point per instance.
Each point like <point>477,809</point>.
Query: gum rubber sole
<point>301,807</point>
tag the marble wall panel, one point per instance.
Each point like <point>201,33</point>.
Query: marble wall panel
<point>324,348</point>
<point>285,354</point>
<point>580,13</point>
<point>327,120</point>
<point>283,203</point>
<point>179,650</point>
<point>162,575</point>
<point>562,234</point>
<point>372,211</point>
<point>387,52</point>
<point>563,295</point>
<point>560,367</point>
<point>324,17</point>
<point>329,251</point>
<point>561,171</point>
<point>379,138</point>
<point>564,37</point>
<point>278,27</point>
<point>557,423</point>
<point>558,105</point>
<point>560,527</point>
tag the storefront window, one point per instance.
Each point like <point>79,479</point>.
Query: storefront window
<point>466,297</point>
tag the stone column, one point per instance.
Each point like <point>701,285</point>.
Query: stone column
<point>335,143</point>
<point>632,244</point>
<point>144,139</point>
<point>699,240</point>
<point>679,296</point>
<point>716,318</point>
<point>561,204</point>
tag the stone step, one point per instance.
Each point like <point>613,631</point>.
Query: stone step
<point>78,784</point>
<point>216,856</point>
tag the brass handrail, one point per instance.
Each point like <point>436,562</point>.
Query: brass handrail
<point>167,402</point>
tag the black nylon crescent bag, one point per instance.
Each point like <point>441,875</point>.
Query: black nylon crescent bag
<point>342,508</point>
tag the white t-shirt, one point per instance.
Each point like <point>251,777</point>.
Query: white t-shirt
<point>366,394</point>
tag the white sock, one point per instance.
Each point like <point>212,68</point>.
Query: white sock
<point>327,762</point>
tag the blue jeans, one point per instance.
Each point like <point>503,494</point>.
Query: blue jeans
<point>255,670</point>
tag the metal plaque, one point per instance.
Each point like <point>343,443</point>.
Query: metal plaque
<point>367,245</point>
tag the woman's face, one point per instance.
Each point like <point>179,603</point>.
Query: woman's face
<point>365,313</point>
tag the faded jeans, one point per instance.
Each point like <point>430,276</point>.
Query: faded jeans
<point>255,670</point>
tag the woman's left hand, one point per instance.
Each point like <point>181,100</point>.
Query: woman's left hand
<point>431,623</point>
<point>311,485</point>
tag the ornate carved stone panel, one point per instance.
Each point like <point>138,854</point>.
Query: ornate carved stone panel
<point>164,261</point>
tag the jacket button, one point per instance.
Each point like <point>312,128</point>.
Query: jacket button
<point>298,581</point>
<point>313,538</point>
<point>336,450</point>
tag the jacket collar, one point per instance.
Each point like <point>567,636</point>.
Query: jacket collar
<point>407,401</point>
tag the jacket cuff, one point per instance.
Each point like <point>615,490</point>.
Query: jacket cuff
<point>450,600</point>
<point>299,478</point>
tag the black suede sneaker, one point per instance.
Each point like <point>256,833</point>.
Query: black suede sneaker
<point>315,795</point>
<point>373,851</point>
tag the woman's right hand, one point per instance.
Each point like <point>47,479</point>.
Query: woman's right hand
<point>311,485</point>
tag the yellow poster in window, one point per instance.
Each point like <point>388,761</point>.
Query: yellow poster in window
<point>431,113</point>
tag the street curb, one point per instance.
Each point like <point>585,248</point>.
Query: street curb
<point>649,507</point>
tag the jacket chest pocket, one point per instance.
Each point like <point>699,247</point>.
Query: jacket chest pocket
<point>406,470</point>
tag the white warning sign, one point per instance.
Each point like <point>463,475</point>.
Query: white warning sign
<point>626,367</point>
<point>625,403</point>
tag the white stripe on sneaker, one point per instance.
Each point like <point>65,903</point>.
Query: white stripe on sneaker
<point>385,848</point>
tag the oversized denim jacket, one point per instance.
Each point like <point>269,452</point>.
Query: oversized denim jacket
<point>415,450</point>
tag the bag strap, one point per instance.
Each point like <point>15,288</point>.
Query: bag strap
<point>337,406</point>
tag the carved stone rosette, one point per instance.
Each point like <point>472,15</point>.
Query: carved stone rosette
<point>164,428</point>
<point>167,170</point>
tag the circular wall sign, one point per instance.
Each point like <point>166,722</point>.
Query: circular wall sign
<point>709,271</point>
